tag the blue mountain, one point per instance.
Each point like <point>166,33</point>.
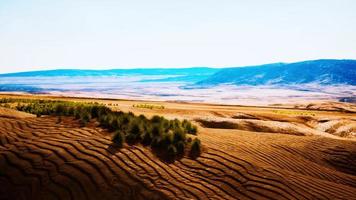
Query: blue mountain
<point>328,72</point>
<point>197,71</point>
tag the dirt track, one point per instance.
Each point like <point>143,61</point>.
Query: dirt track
<point>40,159</point>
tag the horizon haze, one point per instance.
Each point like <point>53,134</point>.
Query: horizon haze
<point>318,80</point>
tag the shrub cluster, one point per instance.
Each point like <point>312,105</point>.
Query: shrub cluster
<point>148,106</point>
<point>195,150</point>
<point>166,137</point>
<point>5,105</point>
<point>16,100</point>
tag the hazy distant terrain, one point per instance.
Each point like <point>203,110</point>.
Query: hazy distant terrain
<point>324,72</point>
<point>265,84</point>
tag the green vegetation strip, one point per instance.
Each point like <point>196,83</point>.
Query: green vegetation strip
<point>148,106</point>
<point>293,112</point>
<point>167,138</point>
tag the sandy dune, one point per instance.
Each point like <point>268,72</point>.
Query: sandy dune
<point>43,159</point>
<point>11,113</point>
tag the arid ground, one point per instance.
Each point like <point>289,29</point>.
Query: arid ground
<point>284,152</point>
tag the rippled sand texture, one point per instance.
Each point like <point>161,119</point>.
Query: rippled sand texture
<point>43,159</point>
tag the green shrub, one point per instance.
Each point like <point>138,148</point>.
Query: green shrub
<point>131,139</point>
<point>135,128</point>
<point>147,139</point>
<point>195,150</point>
<point>156,119</point>
<point>193,130</point>
<point>119,138</point>
<point>189,127</point>
<point>157,130</point>
<point>77,114</point>
<point>178,135</point>
<point>156,142</point>
<point>148,106</point>
<point>180,148</point>
<point>171,152</point>
<point>84,118</point>
<point>167,139</point>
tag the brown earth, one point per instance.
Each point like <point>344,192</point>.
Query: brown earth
<point>249,153</point>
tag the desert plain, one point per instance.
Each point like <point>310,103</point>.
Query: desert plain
<point>305,151</point>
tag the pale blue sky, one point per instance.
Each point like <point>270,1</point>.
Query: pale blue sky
<point>102,34</point>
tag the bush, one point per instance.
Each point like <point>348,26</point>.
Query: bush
<point>189,127</point>
<point>171,152</point>
<point>136,128</point>
<point>157,131</point>
<point>167,139</point>
<point>195,150</point>
<point>131,139</point>
<point>84,118</point>
<point>155,144</point>
<point>178,135</point>
<point>135,132</point>
<point>193,130</point>
<point>119,139</point>
<point>77,114</point>
<point>180,148</point>
<point>147,139</point>
<point>156,119</point>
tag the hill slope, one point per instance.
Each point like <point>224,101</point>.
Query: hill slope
<point>316,71</point>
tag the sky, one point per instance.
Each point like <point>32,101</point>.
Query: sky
<point>106,34</point>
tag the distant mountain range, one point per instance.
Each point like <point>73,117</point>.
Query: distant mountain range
<point>191,75</point>
<point>116,72</point>
<point>325,72</point>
